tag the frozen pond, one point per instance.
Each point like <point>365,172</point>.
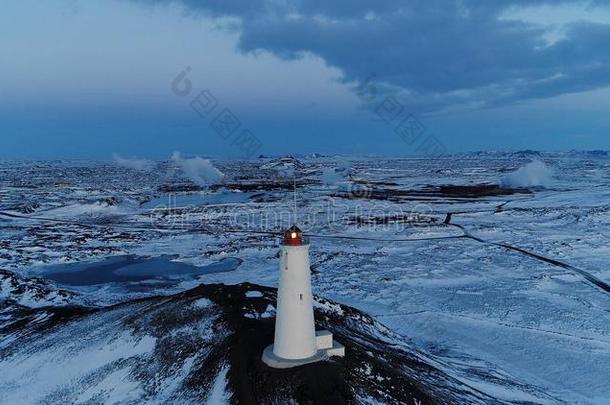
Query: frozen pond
<point>197,199</point>
<point>131,268</point>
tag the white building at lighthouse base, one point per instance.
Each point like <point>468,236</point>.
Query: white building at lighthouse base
<point>326,347</point>
<point>296,341</point>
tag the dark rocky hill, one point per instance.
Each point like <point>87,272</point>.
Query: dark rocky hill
<point>204,345</point>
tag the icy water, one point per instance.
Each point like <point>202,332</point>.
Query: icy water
<point>131,268</point>
<point>197,199</point>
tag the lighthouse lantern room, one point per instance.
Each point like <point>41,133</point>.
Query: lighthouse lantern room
<point>296,341</point>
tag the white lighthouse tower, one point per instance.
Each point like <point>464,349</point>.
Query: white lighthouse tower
<point>296,340</point>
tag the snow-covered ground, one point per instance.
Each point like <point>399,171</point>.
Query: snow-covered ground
<point>514,280</point>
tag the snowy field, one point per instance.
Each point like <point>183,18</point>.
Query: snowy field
<point>495,261</point>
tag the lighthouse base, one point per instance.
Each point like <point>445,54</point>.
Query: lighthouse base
<point>326,348</point>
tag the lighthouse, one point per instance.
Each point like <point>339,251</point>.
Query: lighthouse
<point>296,341</point>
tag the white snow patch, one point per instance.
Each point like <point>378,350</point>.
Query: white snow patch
<point>254,294</point>
<point>330,307</point>
<point>172,387</point>
<point>219,394</point>
<point>202,303</point>
<point>269,312</point>
<point>51,369</point>
<point>116,387</point>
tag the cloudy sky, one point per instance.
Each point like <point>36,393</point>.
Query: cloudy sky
<point>86,79</point>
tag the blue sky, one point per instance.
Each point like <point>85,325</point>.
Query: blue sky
<point>86,79</point>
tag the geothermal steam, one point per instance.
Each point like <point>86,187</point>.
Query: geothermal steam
<point>534,174</point>
<point>136,164</point>
<point>199,170</point>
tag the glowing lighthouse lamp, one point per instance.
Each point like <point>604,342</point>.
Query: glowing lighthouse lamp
<point>296,340</point>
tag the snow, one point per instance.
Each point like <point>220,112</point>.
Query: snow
<point>219,394</point>
<point>465,301</point>
<point>116,387</point>
<point>54,368</point>
<point>330,307</point>
<point>269,312</point>
<point>330,176</point>
<point>202,303</point>
<point>33,293</point>
<point>171,389</point>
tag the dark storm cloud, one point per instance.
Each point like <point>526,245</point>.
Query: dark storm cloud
<point>435,54</point>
